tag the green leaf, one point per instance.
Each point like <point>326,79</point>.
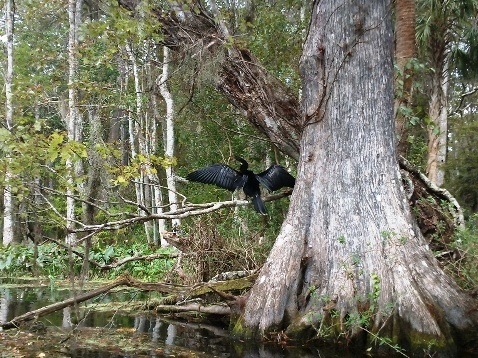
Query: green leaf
<point>121,180</point>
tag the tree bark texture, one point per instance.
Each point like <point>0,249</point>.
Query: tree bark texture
<point>404,53</point>
<point>169,145</point>
<point>438,128</point>
<point>349,258</point>
<point>438,48</point>
<point>73,118</point>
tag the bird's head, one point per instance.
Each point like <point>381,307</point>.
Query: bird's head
<point>244,164</point>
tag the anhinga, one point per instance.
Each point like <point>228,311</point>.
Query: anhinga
<point>225,177</point>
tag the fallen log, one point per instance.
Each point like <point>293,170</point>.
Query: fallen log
<point>194,307</point>
<point>176,293</point>
<point>33,315</point>
<point>202,289</point>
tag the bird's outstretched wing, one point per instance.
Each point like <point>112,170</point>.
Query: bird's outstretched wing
<point>218,174</point>
<point>276,177</point>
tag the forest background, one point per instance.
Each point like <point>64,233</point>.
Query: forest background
<point>102,122</point>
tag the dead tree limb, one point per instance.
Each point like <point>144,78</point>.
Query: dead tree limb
<point>139,258</point>
<point>188,210</point>
<point>268,104</point>
<point>194,307</point>
<point>177,293</point>
<point>437,212</point>
<point>162,287</point>
<point>32,315</point>
<point>438,192</point>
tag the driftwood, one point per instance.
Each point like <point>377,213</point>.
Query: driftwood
<point>194,307</point>
<point>33,315</point>
<point>177,293</point>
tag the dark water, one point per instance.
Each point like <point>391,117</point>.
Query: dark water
<point>143,335</point>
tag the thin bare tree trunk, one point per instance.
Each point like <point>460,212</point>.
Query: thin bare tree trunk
<point>73,120</point>
<point>169,145</point>
<point>4,303</point>
<point>142,136</point>
<point>438,130</point>
<point>160,224</point>
<point>8,220</point>
<point>137,136</point>
<point>93,186</point>
<point>33,225</point>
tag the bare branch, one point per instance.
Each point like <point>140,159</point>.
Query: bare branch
<point>459,108</point>
<point>442,193</point>
<point>186,211</point>
<point>140,206</point>
<point>177,291</point>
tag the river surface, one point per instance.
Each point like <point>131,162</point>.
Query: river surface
<point>104,328</point>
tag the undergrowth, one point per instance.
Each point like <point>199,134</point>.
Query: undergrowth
<point>464,265</point>
<point>210,244</point>
<point>216,243</point>
<point>55,262</point>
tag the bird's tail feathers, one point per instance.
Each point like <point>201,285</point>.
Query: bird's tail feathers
<point>259,205</point>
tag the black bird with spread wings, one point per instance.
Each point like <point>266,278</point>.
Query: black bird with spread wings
<point>225,177</point>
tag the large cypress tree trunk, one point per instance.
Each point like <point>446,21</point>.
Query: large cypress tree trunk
<point>350,260</point>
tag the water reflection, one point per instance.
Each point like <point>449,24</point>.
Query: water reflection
<point>163,337</point>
